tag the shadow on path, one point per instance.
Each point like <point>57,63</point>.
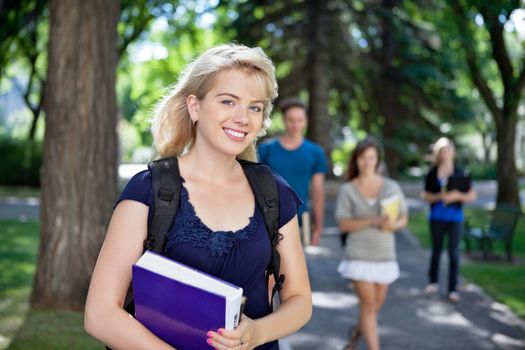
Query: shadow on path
<point>409,319</point>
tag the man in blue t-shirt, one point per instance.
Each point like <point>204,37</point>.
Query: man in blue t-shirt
<point>300,162</point>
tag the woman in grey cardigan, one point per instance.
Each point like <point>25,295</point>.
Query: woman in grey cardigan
<point>370,208</point>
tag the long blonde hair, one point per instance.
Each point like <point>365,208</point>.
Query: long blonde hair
<point>172,128</point>
<point>438,146</point>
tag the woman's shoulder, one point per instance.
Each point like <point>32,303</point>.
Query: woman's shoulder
<point>138,188</point>
<point>285,190</point>
<point>461,172</point>
<point>388,181</point>
<point>390,185</point>
<point>347,187</point>
<point>289,200</point>
<point>432,171</point>
<point>282,184</point>
<point>141,179</point>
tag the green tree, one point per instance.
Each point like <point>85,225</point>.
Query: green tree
<point>23,35</point>
<point>174,37</point>
<point>502,98</point>
<point>405,81</point>
<point>379,67</point>
<point>308,43</point>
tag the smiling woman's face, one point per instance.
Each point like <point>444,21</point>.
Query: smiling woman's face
<point>367,161</point>
<point>231,114</point>
<point>446,154</point>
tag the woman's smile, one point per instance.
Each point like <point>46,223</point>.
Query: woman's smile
<point>235,134</point>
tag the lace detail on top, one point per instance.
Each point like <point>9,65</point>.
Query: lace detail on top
<point>188,227</point>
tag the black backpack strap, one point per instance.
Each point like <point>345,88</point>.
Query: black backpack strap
<point>266,196</point>
<point>166,184</point>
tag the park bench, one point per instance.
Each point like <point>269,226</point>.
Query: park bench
<point>501,227</point>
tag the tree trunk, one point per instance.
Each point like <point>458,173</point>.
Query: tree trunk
<point>486,141</point>
<point>319,82</point>
<point>507,174</point>
<point>387,91</point>
<point>34,122</point>
<point>80,149</point>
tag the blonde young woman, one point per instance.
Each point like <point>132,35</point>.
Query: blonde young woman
<point>369,258</point>
<point>447,188</point>
<point>209,120</point>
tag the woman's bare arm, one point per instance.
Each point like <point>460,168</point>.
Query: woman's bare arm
<point>104,316</point>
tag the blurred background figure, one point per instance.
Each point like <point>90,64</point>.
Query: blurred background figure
<point>301,163</point>
<point>369,257</point>
<point>381,170</point>
<point>447,187</point>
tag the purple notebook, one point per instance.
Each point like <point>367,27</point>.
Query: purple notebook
<point>180,304</point>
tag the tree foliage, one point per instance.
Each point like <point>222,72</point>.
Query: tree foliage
<point>388,71</point>
<point>501,92</point>
<point>23,35</point>
<point>393,68</point>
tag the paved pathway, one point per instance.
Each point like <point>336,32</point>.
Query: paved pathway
<point>19,208</point>
<point>409,319</point>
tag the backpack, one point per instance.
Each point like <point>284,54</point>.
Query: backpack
<point>166,185</point>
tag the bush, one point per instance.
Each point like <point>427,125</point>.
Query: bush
<point>20,162</point>
<point>482,171</point>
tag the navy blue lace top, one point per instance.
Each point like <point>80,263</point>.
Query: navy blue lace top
<point>238,257</point>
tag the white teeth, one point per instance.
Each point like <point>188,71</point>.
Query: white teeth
<point>235,133</point>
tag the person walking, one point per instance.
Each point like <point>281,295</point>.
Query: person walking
<point>209,121</point>
<point>371,208</point>
<point>447,188</point>
<point>301,163</point>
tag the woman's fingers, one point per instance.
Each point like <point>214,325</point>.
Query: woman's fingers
<point>225,341</point>
<point>239,338</point>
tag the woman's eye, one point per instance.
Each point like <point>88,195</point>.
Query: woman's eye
<point>256,109</point>
<point>227,102</point>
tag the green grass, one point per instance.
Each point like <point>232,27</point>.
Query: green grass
<point>418,225</point>
<point>502,281</point>
<point>52,330</point>
<point>18,249</point>
<point>31,329</point>
<point>19,191</point>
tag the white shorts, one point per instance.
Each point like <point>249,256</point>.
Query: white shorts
<point>382,272</point>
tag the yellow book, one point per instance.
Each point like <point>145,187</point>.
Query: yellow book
<point>390,206</point>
